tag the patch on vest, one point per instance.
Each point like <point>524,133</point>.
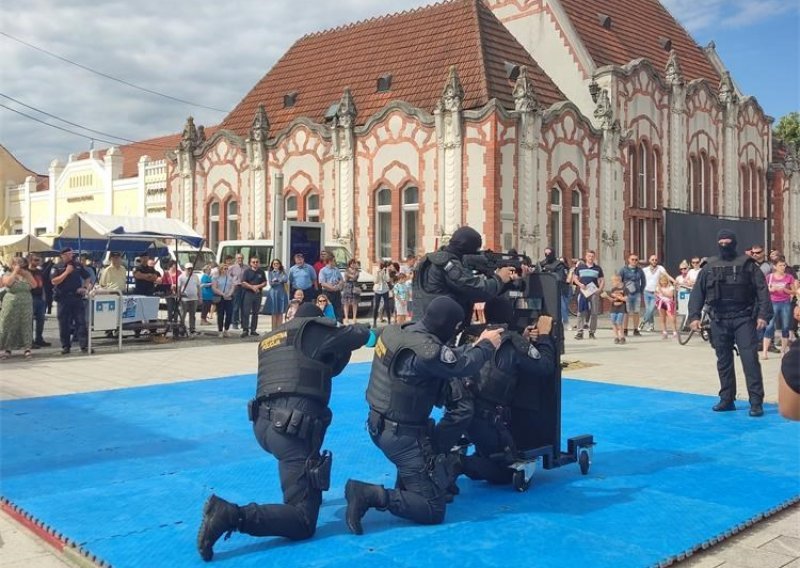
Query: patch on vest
<point>273,341</point>
<point>533,353</point>
<point>447,355</point>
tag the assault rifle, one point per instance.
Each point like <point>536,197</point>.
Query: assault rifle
<point>487,261</point>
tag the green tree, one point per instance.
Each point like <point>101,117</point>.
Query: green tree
<point>788,129</point>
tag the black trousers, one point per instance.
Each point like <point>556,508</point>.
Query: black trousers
<point>742,332</point>
<point>296,518</point>
<point>72,316</point>
<point>488,462</point>
<point>416,496</point>
<point>251,305</point>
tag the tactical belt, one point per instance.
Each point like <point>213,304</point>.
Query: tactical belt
<point>380,423</point>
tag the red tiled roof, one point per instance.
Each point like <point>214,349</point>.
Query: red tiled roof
<point>416,48</point>
<point>637,27</point>
<point>42,182</point>
<point>156,148</point>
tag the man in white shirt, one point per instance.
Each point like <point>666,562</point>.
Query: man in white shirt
<point>115,276</point>
<point>189,288</point>
<point>235,272</point>
<point>652,272</point>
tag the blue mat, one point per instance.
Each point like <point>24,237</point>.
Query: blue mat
<point>124,474</point>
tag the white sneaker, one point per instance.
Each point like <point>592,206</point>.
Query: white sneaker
<point>220,334</point>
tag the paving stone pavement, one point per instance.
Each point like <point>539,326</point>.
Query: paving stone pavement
<point>648,361</point>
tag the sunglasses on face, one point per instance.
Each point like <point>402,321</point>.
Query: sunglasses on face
<point>758,252</point>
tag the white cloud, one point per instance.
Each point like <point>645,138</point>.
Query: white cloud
<point>698,15</point>
<point>210,53</point>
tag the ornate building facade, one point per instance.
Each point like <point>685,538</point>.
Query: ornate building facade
<point>535,121</point>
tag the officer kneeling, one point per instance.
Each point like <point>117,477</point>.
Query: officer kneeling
<point>411,365</point>
<point>526,356</point>
<point>290,415</point>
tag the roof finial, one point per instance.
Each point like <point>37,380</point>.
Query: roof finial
<point>260,128</point>
<point>673,71</point>
<point>727,93</point>
<point>453,92</point>
<point>524,95</point>
<point>347,111</point>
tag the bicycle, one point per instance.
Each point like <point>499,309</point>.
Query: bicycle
<point>685,333</point>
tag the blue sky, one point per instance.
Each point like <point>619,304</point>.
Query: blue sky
<point>213,53</point>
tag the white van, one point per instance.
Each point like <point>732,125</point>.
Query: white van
<point>265,251</point>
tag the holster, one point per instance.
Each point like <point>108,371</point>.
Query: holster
<point>252,409</point>
<point>318,468</point>
<point>438,471</point>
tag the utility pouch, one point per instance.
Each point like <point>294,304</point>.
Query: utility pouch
<point>280,419</point>
<point>252,409</point>
<point>295,423</point>
<point>374,424</point>
<point>319,470</point>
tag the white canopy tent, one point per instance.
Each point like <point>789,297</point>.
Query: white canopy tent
<point>87,231</point>
<point>13,244</point>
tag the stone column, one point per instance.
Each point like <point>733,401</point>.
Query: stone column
<point>611,201</point>
<point>258,157</point>
<point>450,141</point>
<point>113,170</point>
<point>28,189</point>
<point>186,166</point>
<point>343,141</point>
<point>730,144</point>
<point>529,125</point>
<point>677,188</point>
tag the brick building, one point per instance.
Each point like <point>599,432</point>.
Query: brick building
<point>535,121</point>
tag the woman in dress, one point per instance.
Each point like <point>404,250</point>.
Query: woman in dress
<point>277,300</point>
<point>351,292</point>
<point>16,331</point>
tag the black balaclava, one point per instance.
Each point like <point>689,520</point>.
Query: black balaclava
<point>465,240</point>
<point>308,310</point>
<point>727,252</point>
<point>442,317</point>
<point>499,310</point>
<point>549,257</point>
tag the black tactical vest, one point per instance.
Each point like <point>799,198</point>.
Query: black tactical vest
<point>430,281</point>
<point>407,400</point>
<point>729,284</point>
<point>496,385</point>
<point>283,368</point>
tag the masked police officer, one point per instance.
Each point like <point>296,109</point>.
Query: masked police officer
<point>526,356</point>
<point>442,273</point>
<point>70,284</point>
<point>296,362</point>
<point>735,291</point>
<point>409,369</point>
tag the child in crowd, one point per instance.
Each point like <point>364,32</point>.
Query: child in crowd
<point>295,302</point>
<point>666,304</point>
<point>401,291</point>
<point>618,308</point>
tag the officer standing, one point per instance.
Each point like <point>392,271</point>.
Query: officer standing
<point>70,284</point>
<point>526,356</point>
<point>442,273</point>
<point>410,367</point>
<point>290,415</point>
<point>735,290</point>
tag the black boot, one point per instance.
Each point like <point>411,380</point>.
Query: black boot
<point>360,498</point>
<point>219,517</point>
<point>455,467</point>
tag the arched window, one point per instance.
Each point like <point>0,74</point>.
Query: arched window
<point>697,187</point>
<point>291,207</point>
<point>744,205</point>
<point>556,225</point>
<point>410,221</point>
<point>644,167</point>
<point>758,190</point>
<point>576,227</point>
<point>212,235</point>
<point>652,180</point>
<point>383,224</point>
<point>312,207</point>
<point>232,220</point>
